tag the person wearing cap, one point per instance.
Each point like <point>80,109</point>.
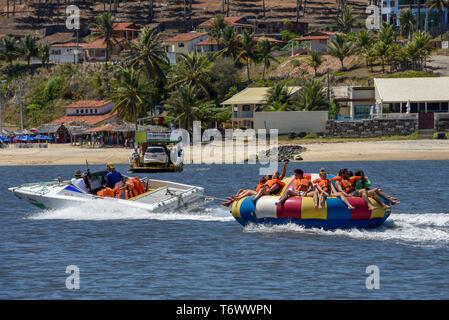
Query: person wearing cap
<point>78,180</point>
<point>113,176</point>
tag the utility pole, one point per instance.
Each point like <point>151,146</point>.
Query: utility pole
<point>328,84</point>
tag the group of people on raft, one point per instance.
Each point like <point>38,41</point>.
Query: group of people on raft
<point>345,184</point>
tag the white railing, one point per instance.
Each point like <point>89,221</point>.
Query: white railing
<point>395,116</point>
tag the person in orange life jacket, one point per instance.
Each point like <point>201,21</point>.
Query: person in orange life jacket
<point>303,188</point>
<point>245,193</point>
<point>273,185</point>
<point>325,188</point>
<point>375,193</point>
<point>362,193</point>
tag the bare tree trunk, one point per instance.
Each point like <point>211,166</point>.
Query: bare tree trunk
<point>7,8</point>
<point>227,9</point>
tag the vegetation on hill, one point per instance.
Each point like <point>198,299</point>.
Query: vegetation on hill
<point>193,88</point>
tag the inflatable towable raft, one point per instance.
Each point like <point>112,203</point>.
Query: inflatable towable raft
<point>300,210</point>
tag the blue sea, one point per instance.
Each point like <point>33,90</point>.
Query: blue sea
<point>206,254</point>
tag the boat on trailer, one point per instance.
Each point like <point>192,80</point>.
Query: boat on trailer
<point>158,195</point>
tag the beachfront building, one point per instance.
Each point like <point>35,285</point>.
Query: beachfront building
<point>355,101</point>
<point>248,113</point>
<point>391,11</point>
<point>66,52</point>
<point>183,43</point>
<point>427,98</point>
<point>90,112</point>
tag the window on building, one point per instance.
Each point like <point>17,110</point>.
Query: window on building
<point>246,108</point>
<point>362,111</point>
<point>91,110</point>
<point>96,110</point>
<point>77,111</point>
<point>181,44</point>
<point>81,111</point>
<point>55,52</point>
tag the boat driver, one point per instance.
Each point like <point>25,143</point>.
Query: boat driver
<point>113,176</point>
<point>78,180</point>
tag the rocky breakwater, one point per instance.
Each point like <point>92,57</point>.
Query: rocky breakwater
<point>285,152</point>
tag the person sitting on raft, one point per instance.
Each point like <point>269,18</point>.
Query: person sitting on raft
<point>272,186</point>
<point>303,188</point>
<point>324,189</point>
<point>365,183</point>
<point>345,183</point>
<point>245,193</point>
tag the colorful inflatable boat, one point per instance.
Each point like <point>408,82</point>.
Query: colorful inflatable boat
<point>300,210</point>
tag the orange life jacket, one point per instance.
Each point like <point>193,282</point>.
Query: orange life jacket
<point>347,185</point>
<point>301,184</point>
<point>138,185</point>
<point>260,186</point>
<point>325,184</point>
<point>272,182</point>
<point>107,192</point>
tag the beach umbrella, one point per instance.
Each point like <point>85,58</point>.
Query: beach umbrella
<point>408,106</point>
<point>42,137</point>
<point>3,138</point>
<point>24,138</point>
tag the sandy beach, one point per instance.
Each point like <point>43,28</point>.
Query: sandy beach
<point>346,151</point>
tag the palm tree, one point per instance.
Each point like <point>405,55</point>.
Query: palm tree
<point>184,103</point>
<point>421,41</point>
<point>148,54</point>
<point>216,29</point>
<point>248,51</point>
<point>104,29</point>
<point>8,49</point>
<point>340,48</point>
<point>346,19</point>
<point>312,96</point>
<point>265,51</point>
<point>192,70</point>
<point>362,41</point>
<point>382,51</point>
<point>230,43</point>
<point>278,97</point>
<point>315,60</point>
<point>407,20</point>
<point>44,53</point>
<point>438,5</point>
<point>387,34</point>
<point>28,48</point>
<point>128,94</point>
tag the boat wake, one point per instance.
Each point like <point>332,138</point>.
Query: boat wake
<point>427,229</point>
<point>96,210</point>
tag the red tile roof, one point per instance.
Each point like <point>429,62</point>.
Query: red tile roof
<point>207,42</point>
<point>273,40</point>
<point>123,26</point>
<point>89,104</point>
<point>67,44</point>
<point>186,37</point>
<point>312,38</point>
<point>107,127</point>
<point>90,120</point>
<point>233,21</point>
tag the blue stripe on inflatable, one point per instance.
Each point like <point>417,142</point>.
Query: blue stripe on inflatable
<point>337,210</point>
<point>248,210</point>
<point>320,224</point>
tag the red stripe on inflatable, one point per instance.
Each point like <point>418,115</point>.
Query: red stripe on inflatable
<point>361,211</point>
<point>290,209</point>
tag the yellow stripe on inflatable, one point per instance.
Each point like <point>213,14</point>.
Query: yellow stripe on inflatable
<point>377,213</point>
<point>287,182</point>
<point>308,210</point>
<point>236,208</point>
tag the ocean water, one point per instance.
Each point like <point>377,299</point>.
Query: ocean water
<point>206,254</point>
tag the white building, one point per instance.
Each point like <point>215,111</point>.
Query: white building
<point>183,43</point>
<point>391,10</point>
<point>66,52</point>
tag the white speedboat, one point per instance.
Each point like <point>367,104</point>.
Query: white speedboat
<point>158,196</point>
